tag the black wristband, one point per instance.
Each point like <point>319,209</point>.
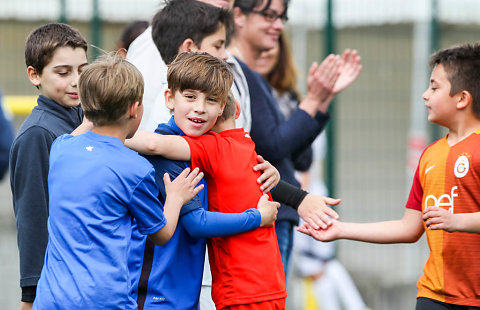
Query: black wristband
<point>288,194</point>
<point>29,293</point>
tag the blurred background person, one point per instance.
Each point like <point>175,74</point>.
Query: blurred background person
<point>277,67</point>
<point>130,33</point>
<point>6,139</point>
<point>315,261</point>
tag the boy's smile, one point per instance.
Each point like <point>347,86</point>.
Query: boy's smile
<point>195,113</point>
<point>59,78</point>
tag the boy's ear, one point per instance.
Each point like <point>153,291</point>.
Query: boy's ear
<point>238,110</point>
<point>187,46</point>
<point>222,107</point>
<point>169,100</point>
<point>33,76</point>
<point>133,110</point>
<point>239,17</point>
<point>464,99</point>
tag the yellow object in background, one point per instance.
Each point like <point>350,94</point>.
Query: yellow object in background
<point>310,302</point>
<point>20,105</point>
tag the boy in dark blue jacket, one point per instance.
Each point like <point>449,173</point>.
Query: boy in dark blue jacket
<point>55,55</point>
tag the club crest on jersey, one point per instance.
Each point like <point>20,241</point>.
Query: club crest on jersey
<point>461,166</point>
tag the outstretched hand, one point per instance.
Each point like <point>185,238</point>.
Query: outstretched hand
<point>315,211</point>
<point>349,70</point>
<point>329,234</point>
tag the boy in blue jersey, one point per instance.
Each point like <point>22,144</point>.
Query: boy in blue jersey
<point>96,187</point>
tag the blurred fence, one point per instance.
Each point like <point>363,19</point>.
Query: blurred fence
<point>372,120</point>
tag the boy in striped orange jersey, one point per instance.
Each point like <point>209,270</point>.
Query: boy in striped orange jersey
<point>445,197</point>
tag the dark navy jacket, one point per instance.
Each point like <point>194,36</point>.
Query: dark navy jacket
<point>276,138</point>
<point>28,180</point>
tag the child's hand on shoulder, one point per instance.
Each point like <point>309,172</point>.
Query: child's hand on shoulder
<point>268,210</point>
<point>270,175</point>
<point>184,187</point>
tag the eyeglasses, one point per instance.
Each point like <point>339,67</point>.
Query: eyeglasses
<point>271,16</point>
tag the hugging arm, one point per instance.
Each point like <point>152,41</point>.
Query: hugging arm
<point>180,191</point>
<point>150,143</point>
<point>205,224</point>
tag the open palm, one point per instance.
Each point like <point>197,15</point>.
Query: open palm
<point>349,71</point>
<point>325,235</point>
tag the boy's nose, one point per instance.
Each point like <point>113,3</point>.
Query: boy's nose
<point>424,95</point>
<point>199,106</point>
<point>223,55</point>
<point>75,77</point>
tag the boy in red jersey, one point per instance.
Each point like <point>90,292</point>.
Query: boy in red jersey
<point>445,195</point>
<point>226,155</point>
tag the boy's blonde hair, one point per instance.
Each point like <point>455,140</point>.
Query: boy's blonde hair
<point>202,72</point>
<point>229,109</point>
<point>108,87</point>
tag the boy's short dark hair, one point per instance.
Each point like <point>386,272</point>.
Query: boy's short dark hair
<point>44,40</point>
<point>108,87</point>
<point>248,6</point>
<point>462,65</point>
<point>183,19</point>
<point>202,72</point>
<point>229,109</point>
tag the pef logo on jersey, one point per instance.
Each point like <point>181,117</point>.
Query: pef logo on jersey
<point>461,166</point>
<point>445,201</point>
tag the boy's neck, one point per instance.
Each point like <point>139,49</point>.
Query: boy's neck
<point>462,129</point>
<point>112,130</point>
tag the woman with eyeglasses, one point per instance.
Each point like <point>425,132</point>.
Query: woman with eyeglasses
<point>258,25</point>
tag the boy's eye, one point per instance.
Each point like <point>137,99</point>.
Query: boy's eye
<point>189,96</point>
